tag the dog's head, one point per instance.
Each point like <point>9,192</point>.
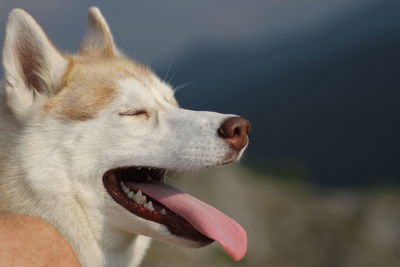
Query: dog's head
<point>115,129</point>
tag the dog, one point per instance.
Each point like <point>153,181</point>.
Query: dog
<point>87,140</point>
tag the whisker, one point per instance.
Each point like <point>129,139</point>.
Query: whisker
<point>179,87</point>
<point>169,67</point>
<point>173,75</point>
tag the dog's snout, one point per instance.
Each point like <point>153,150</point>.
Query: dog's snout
<point>234,130</point>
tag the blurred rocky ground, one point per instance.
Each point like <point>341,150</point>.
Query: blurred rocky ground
<point>291,224</point>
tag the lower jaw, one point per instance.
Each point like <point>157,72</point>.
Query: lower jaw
<point>175,224</point>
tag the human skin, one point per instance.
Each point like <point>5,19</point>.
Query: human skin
<point>29,241</point>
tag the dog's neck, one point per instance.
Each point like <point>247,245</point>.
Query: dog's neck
<point>126,253</point>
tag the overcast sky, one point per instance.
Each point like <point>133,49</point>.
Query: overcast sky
<point>157,31</point>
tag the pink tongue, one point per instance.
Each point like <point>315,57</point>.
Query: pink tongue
<point>204,218</point>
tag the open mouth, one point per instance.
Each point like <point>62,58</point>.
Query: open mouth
<point>143,192</point>
<point>122,185</point>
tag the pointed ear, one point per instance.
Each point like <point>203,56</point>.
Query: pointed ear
<point>33,67</point>
<point>98,39</point>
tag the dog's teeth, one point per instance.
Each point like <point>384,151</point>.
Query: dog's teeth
<point>124,188</point>
<point>163,211</point>
<point>137,197</point>
<point>149,206</point>
<point>140,198</point>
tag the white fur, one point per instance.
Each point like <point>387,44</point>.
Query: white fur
<point>53,169</point>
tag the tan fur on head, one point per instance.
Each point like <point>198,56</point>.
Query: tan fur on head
<point>74,87</point>
<point>90,85</point>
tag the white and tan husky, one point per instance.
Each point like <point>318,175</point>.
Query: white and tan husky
<point>87,140</point>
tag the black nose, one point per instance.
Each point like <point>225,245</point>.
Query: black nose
<point>234,130</point>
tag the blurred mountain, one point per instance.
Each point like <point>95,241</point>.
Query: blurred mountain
<point>324,101</point>
<point>289,224</point>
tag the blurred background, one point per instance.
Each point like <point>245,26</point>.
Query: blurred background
<point>320,82</point>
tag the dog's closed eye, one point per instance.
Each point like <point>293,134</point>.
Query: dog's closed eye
<point>139,112</point>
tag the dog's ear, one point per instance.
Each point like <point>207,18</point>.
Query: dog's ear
<point>33,66</point>
<point>98,39</point>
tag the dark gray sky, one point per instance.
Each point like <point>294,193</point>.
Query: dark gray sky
<point>158,31</point>
<point>324,72</point>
